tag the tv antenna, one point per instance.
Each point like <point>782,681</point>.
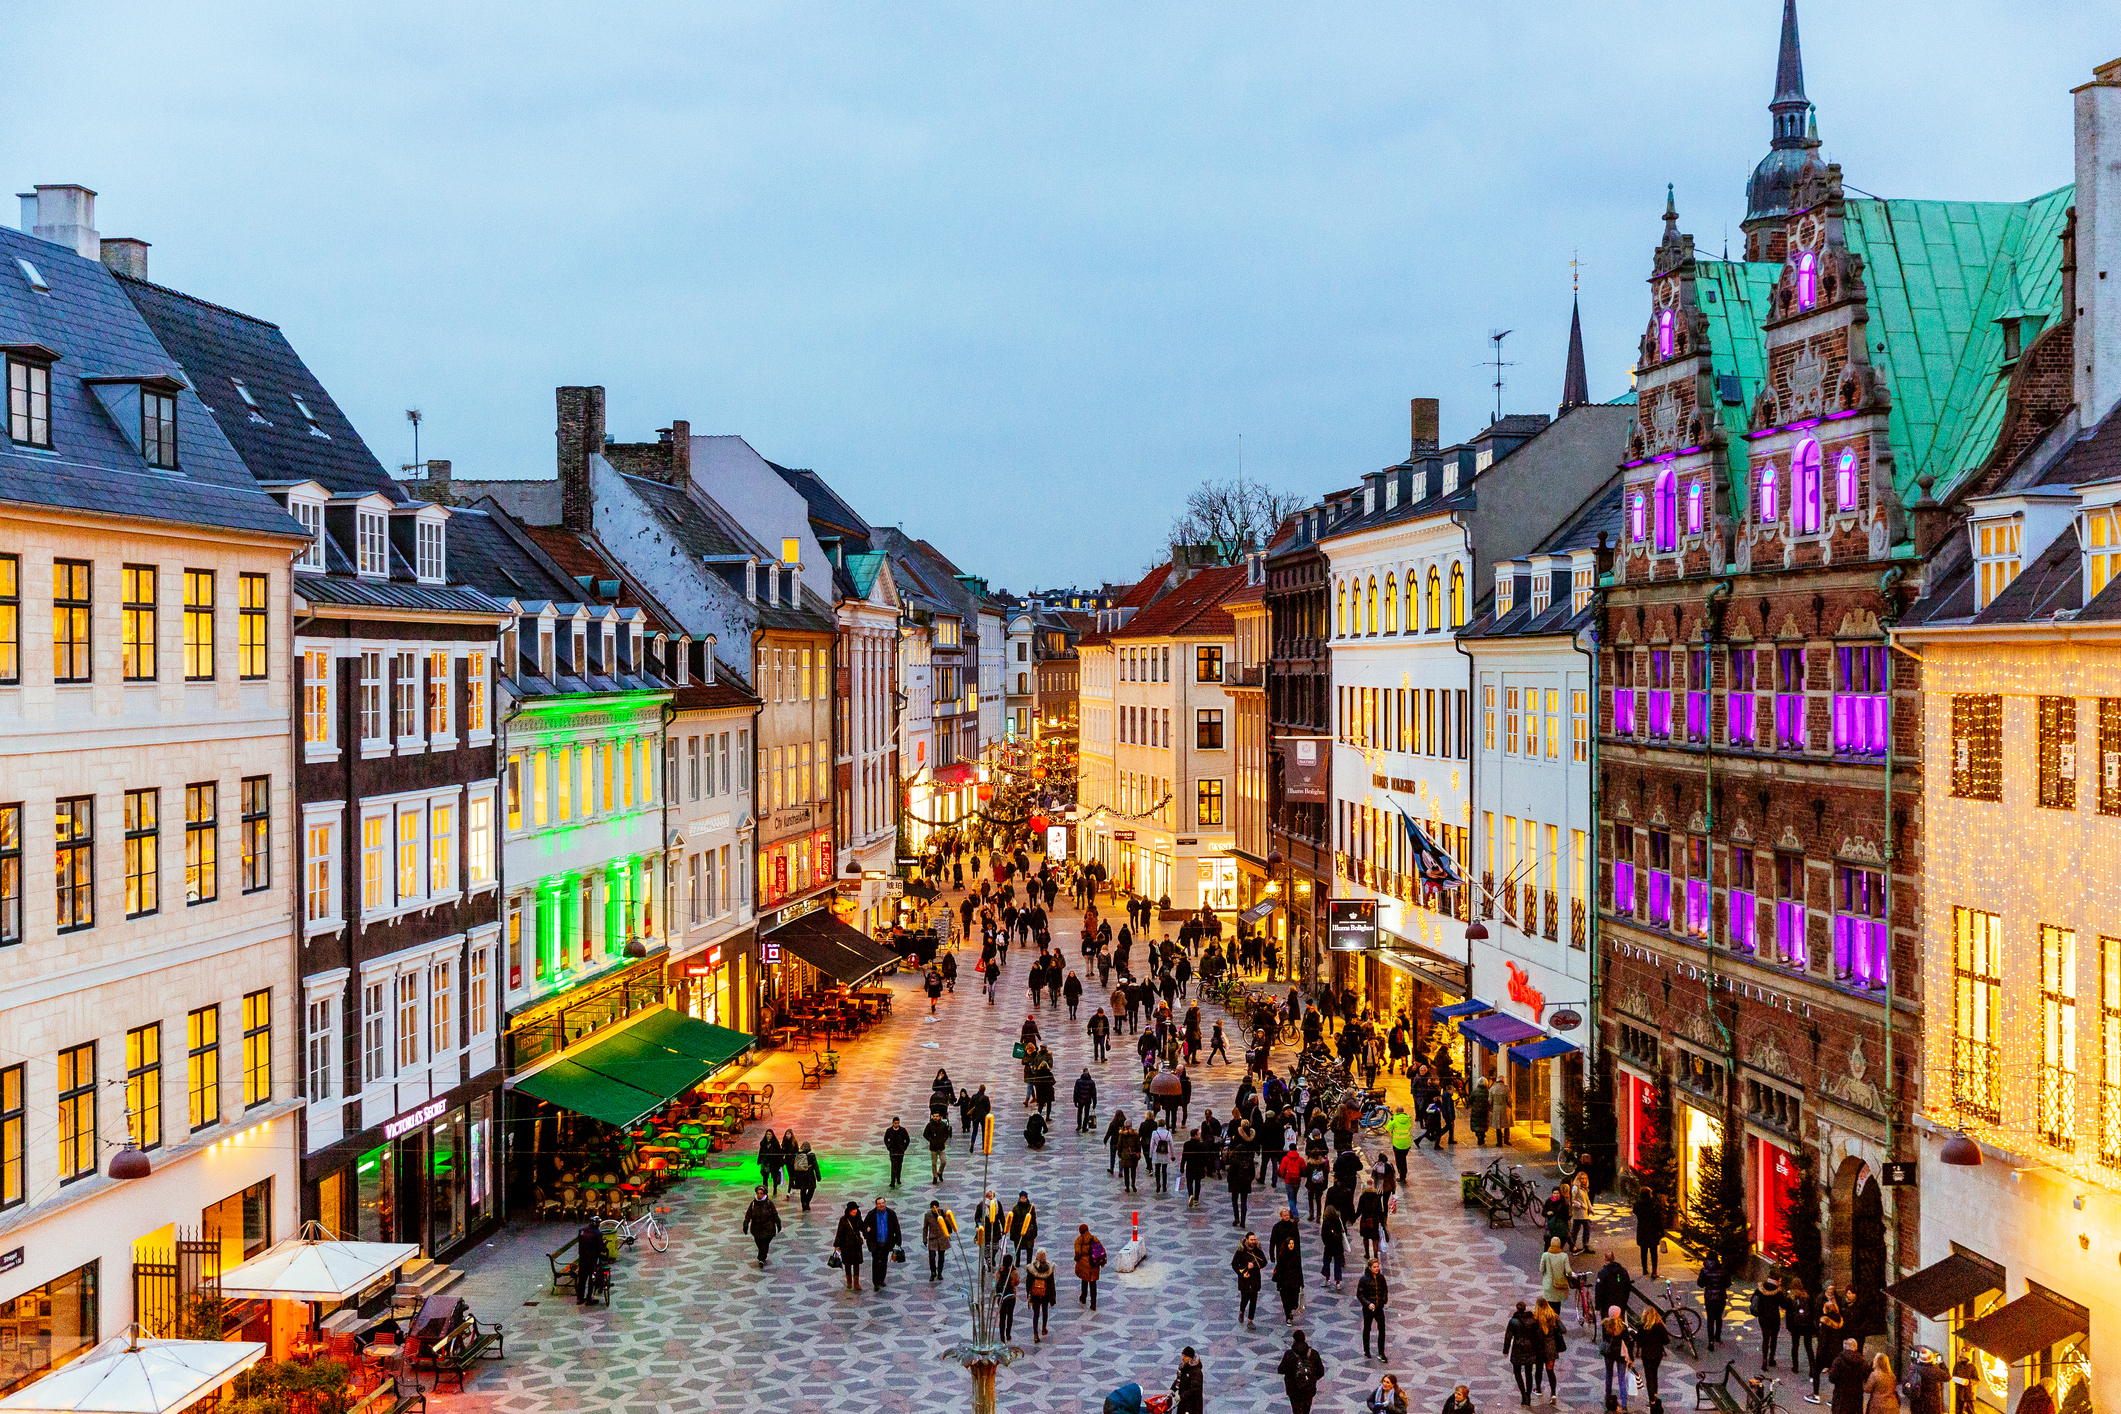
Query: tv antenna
<point>1495,337</point>
<point>416,466</point>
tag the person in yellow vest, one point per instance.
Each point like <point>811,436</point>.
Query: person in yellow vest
<point>1401,1127</point>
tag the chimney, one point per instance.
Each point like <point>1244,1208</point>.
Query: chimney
<point>2098,245</point>
<point>437,477</point>
<point>580,436</point>
<point>680,452</point>
<point>66,215</point>
<point>1427,417</point>
<point>126,255</point>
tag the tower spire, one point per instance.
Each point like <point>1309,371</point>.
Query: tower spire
<point>1789,63</point>
<point>1575,384</point>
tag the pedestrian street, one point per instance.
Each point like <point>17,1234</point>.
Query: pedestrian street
<point>701,1327</point>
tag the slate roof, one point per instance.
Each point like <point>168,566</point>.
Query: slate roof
<point>700,524</point>
<point>1192,610</point>
<point>94,466</point>
<point>489,551</point>
<point>1580,531</point>
<point>826,506</point>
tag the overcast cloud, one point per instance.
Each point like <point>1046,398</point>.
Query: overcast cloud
<point>1014,277</point>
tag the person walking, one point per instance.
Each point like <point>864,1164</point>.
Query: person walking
<point>976,1111</point>
<point>897,1139</point>
<point>1521,1344</point>
<point>1112,1131</point>
<point>1650,1225</point>
<point>1288,1267</point>
<point>1800,1313</point>
<point>1880,1394</point>
<point>1370,1222</point>
<point>1612,1286</point>
<point>1499,1110</point>
<point>938,1228</point>
<point>1237,1173</point>
<point>1089,1263</point>
<point>1160,1155</point>
<point>803,1173</point>
<point>1039,1291</point>
<point>1333,1241</point>
<point>1372,1293</point>
<point>1617,1344</point>
<point>1580,1211</point>
<point>1389,1398</point>
<point>770,1160</point>
<point>1022,1225</point>
<point>1300,1369</point>
<point>1400,1127</point>
<point>1250,1262</point>
<point>880,1230</point>
<point>1826,1342</point>
<point>932,984</point>
<point>1100,1029</point>
<point>1651,1338</point>
<point>1129,1147</point>
<point>1715,1293</point>
<point>1006,1281</point>
<point>937,1133</point>
<point>1554,1273</point>
<point>1552,1341</point>
<point>1848,1375</point>
<point>1188,1386</point>
<point>1290,1170</point>
<point>1767,1310</point>
<point>1477,1114</point>
<point>592,1259</point>
<point>1072,989</point>
<point>1085,1101</point>
<point>763,1222</point>
<point>847,1240</point>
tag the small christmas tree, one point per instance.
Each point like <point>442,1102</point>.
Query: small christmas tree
<point>1715,1218</point>
<point>1659,1170</point>
<point>1803,1250</point>
<point>1590,1128</point>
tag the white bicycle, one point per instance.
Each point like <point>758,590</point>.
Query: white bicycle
<point>648,1225</point>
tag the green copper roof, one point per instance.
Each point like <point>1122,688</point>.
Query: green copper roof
<point>862,571</point>
<point>1734,296</point>
<point>1939,273</point>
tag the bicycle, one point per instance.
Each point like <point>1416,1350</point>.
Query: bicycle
<point>648,1224</point>
<point>1510,1189</point>
<point>1684,1324</point>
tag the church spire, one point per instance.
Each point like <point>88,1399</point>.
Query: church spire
<point>1789,64</point>
<point>1575,384</point>
<point>1795,136</point>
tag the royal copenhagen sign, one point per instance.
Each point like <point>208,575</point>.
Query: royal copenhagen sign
<point>413,1119</point>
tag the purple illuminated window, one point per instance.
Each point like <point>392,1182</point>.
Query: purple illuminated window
<point>1807,280</point>
<point>1741,720</point>
<point>1668,510</point>
<point>1770,507</point>
<point>1859,704</point>
<point>1636,517</point>
<point>1660,695</point>
<point>1624,710</point>
<point>1664,334</point>
<point>1789,701</point>
<point>1790,941</point>
<point>1741,918</point>
<point>1697,695</point>
<point>1859,928</point>
<point>1693,508</point>
<point>1804,489</point>
<point>1624,886</point>
<point>1845,481</point>
<point>1661,878</point>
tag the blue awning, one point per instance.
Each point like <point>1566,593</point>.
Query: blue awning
<point>1498,1030</point>
<point>1473,1007</point>
<point>1541,1050</point>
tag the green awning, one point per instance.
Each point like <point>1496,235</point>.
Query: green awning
<point>621,1077</point>
<point>715,1046</point>
<point>575,1087</point>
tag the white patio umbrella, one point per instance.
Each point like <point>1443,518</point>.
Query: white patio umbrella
<point>315,1266</point>
<point>134,1373</point>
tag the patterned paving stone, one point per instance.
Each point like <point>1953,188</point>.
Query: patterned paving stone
<point>702,1328</point>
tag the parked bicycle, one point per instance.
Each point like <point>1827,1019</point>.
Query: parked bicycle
<point>1509,1188</point>
<point>648,1225</point>
<point>1680,1319</point>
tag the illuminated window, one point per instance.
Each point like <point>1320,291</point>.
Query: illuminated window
<point>77,1112</point>
<point>143,1085</point>
<point>441,990</point>
<point>2057,723</point>
<point>2110,1051</point>
<point>316,697</point>
<point>408,838</point>
<point>1208,805</point>
<point>1846,484</point>
<point>1580,725</point>
<point>143,852</point>
<point>257,833</point>
<point>374,867</point>
<point>12,1120</point>
<point>74,854</point>
<point>1581,583</point>
<point>202,1066</point>
<point>319,867</point>
<point>1995,558</point>
<point>1977,1012</point>
<point>1805,500</point>
<point>1667,510</point>
<point>137,622</point>
<point>1977,746</point>
<point>2110,756</point>
<point>1770,505</point>
<point>1553,724</point>
<point>257,1048</point>
<point>1664,334</point>
<point>1372,616</point>
<point>1458,596</point>
<point>1807,280</point>
<point>439,683</point>
<point>2058,1036</point>
<point>1342,598</point>
<point>10,619</point>
<point>251,626</point>
<point>1509,698</point>
<point>71,660</point>
<point>1433,618</point>
<point>1487,717</point>
<point>1391,604</point>
<point>2101,536</point>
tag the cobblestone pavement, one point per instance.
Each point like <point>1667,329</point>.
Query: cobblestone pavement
<point>701,1327</point>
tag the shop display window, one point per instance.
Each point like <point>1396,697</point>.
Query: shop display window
<point>46,1327</point>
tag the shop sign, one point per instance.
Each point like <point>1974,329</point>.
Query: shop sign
<point>10,1259</point>
<point>789,820</point>
<point>1123,834</point>
<point>413,1119</point>
<point>1303,760</point>
<point>1523,992</point>
<point>1183,843</point>
<point>769,953</point>
<point>702,969</point>
<point>1352,923</point>
<point>894,888</point>
<point>793,911</point>
<point>1565,1020</point>
<point>1898,1173</point>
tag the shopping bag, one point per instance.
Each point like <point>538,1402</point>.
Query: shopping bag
<point>1017,1050</point>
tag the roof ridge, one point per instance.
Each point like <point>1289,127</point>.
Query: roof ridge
<point>194,299</point>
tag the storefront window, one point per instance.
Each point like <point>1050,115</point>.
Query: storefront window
<point>375,1190</point>
<point>241,1222</point>
<point>47,1327</point>
<point>480,1171</point>
<point>446,1187</point>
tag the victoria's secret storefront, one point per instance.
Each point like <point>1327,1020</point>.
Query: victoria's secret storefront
<point>426,1175</point>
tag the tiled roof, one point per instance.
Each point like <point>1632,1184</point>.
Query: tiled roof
<point>1192,609</point>
<point>484,551</point>
<point>352,591</point>
<point>94,466</point>
<point>826,506</point>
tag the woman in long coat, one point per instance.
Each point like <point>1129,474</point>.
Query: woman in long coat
<point>1289,1279</point>
<point>847,1241</point>
<point>770,1161</point>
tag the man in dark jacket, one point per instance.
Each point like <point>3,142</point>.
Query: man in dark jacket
<point>1237,1172</point>
<point>897,1140</point>
<point>938,1136</point>
<point>1612,1286</point>
<point>1100,1030</point>
<point>763,1222</point>
<point>1715,1293</point>
<point>1300,1369</point>
<point>590,1259</point>
<point>881,1231</point>
<point>1085,1100</point>
<point>1371,1293</point>
<point>1285,1235</point>
<point>1847,1374</point>
<point>1189,1385</point>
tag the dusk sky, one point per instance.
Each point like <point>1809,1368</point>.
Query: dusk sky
<point>1013,277</point>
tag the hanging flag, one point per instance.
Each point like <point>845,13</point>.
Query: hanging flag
<point>1432,863</point>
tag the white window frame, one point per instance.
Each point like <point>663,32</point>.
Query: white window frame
<point>372,544</point>
<point>373,707</point>
<point>384,857</point>
<point>326,817</point>
<point>377,1051</point>
<point>408,1017</point>
<point>320,1034</point>
<point>1994,568</point>
<point>439,717</point>
<point>310,514</point>
<point>441,988</point>
<point>449,865</point>
<point>478,697</point>
<point>319,690</point>
<point>432,564</point>
<point>481,873</point>
<point>478,1006</point>
<point>407,697</point>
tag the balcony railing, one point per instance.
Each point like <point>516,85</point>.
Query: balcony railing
<point>1553,928</point>
<point>1977,1079</point>
<point>1578,925</point>
<point>2058,1106</point>
<point>1487,895</point>
<point>1244,675</point>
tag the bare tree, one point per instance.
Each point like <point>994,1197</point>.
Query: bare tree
<point>1229,516</point>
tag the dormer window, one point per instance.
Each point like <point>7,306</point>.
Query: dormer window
<point>310,418</point>
<point>579,658</point>
<point>311,516</point>
<point>372,543</point>
<point>1581,582</point>
<point>1391,493</point>
<point>611,651</point>
<point>29,402</point>
<point>1996,558</point>
<point>1505,591</point>
<point>2102,550</point>
<point>158,429</point>
<point>1542,591</point>
<point>1807,280</point>
<point>430,547</point>
<point>257,414</point>
<point>545,665</point>
<point>1450,475</point>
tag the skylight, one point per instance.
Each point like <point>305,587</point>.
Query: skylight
<point>29,273</point>
<point>307,416</point>
<point>250,402</point>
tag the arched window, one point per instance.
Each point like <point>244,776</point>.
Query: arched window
<point>1770,505</point>
<point>1693,508</point>
<point>1637,510</point>
<point>1807,280</point>
<point>1458,596</point>
<point>1664,334</point>
<point>1435,614</point>
<point>1845,480</point>
<point>1391,604</point>
<point>1804,490</point>
<point>1343,599</point>
<point>1667,510</point>
<point>1372,626</point>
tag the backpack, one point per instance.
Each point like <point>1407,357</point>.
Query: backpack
<point>1097,1253</point>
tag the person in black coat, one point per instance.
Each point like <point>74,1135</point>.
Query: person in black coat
<point>1715,1293</point>
<point>1612,1286</point>
<point>1846,1375</point>
<point>1372,1292</point>
<point>763,1222</point>
<point>937,1133</point>
<point>1650,1226</point>
<point>590,1259</point>
<point>897,1139</point>
<point>1288,1273</point>
<point>847,1241</point>
<point>1525,1346</point>
<point>1237,1172</point>
<point>1300,1369</point>
<point>1249,1262</point>
<point>1189,1385</point>
<point>880,1230</point>
<point>1085,1100</point>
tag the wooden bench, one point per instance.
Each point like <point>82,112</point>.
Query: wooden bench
<point>392,1398</point>
<point>562,1274</point>
<point>813,1076</point>
<point>464,1348</point>
<point>1716,1393</point>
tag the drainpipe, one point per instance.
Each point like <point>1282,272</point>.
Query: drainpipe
<point>1719,592</point>
<point>1889,615</point>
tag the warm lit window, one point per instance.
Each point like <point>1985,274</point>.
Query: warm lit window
<point>441,992</point>
<point>202,1065</point>
<point>1433,609</point>
<point>375,863</point>
<point>1579,725</point>
<point>198,625</point>
<point>439,682</point>
<point>136,622</point>
<point>2057,726</point>
<point>10,619</point>
<point>442,849</point>
<point>319,866</point>
<point>2110,1051</point>
<point>478,840</point>
<point>1977,1012</point>
<point>1977,746</point>
<point>1391,604</point>
<point>257,1048</point>
<point>1995,558</point>
<point>2058,1036</point>
<point>1208,804</point>
<point>202,819</point>
<point>251,626</point>
<point>476,1014</point>
<point>1553,724</point>
<point>1208,729</point>
<point>143,852</point>
<point>74,858</point>
<point>1581,583</point>
<point>409,852</point>
<point>475,694</point>
<point>13,1119</point>
<point>316,697</point>
<point>77,1112</point>
<point>143,1086</point>
<point>1509,698</point>
<point>2101,535</point>
<point>71,661</point>
<point>1458,596</point>
<point>257,833</point>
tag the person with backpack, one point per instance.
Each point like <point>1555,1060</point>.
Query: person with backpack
<point>1112,1131</point>
<point>1089,1262</point>
<point>937,1133</point>
<point>1039,1290</point>
<point>933,985</point>
<point>1333,1240</point>
<point>1300,1369</point>
<point>1160,1155</point>
<point>803,1172</point>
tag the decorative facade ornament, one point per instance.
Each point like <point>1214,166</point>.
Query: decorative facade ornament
<point>1768,1056</point>
<point>1807,376</point>
<point>1855,847</point>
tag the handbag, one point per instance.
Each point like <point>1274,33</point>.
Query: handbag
<point>832,1259</point>
<point>898,1254</point>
